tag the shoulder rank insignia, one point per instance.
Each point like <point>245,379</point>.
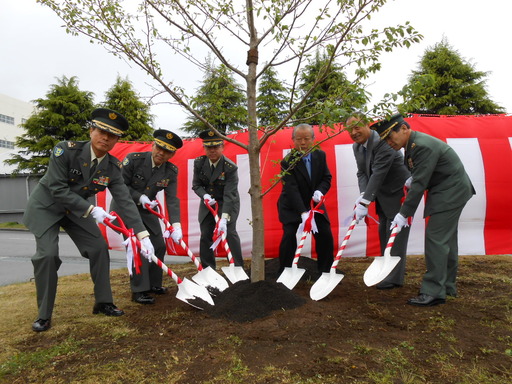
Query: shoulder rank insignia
<point>57,151</point>
<point>71,144</point>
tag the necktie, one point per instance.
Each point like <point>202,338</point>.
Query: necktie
<point>153,170</point>
<point>307,161</point>
<point>93,166</point>
<point>213,168</point>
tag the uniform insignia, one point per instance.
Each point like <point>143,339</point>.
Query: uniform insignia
<point>119,165</point>
<point>71,144</point>
<point>126,161</point>
<point>169,136</point>
<point>163,183</point>
<point>413,145</point>
<point>112,115</point>
<point>75,171</point>
<point>103,180</point>
<point>222,176</point>
<point>58,151</point>
<point>211,133</point>
<point>411,164</point>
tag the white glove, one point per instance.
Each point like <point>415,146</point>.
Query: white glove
<point>177,233</point>
<point>399,221</point>
<point>143,200</point>
<point>408,182</point>
<point>359,198</point>
<point>223,225</point>
<point>100,214</point>
<point>360,212</point>
<point>210,200</point>
<point>147,248</point>
<point>317,196</point>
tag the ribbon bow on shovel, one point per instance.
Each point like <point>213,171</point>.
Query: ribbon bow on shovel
<point>188,291</point>
<point>207,277</point>
<point>291,275</point>
<point>233,273</point>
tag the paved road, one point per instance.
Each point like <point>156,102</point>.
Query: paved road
<point>17,247</point>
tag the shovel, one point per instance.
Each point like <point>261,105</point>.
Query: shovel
<point>382,266</point>
<point>187,290</point>
<point>291,275</point>
<point>329,280</point>
<point>232,272</point>
<point>207,277</point>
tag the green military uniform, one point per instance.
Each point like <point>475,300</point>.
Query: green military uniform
<point>436,168</point>
<point>61,200</point>
<point>143,179</point>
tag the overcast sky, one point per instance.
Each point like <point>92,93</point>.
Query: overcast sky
<point>35,50</point>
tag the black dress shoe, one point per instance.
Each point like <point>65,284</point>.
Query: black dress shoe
<point>108,309</point>
<point>142,298</point>
<point>384,285</point>
<point>424,300</point>
<point>159,290</point>
<point>41,325</point>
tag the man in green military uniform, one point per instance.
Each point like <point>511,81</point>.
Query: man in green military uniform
<point>146,174</point>
<point>78,170</point>
<point>435,168</point>
<point>215,180</point>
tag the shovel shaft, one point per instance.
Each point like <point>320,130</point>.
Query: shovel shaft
<point>391,240</point>
<point>223,241</point>
<point>343,244</point>
<point>167,270</point>
<point>299,248</point>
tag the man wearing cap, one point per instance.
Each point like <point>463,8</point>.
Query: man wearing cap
<point>435,168</point>
<point>77,171</point>
<point>381,175</point>
<point>146,174</point>
<point>215,181</point>
<point>306,178</point>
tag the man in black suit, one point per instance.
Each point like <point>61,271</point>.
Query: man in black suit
<point>306,177</point>
<point>381,175</point>
<point>215,180</point>
<point>146,174</point>
<point>77,171</point>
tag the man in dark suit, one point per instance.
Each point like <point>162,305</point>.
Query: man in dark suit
<point>381,175</point>
<point>435,168</point>
<point>306,177</point>
<point>215,180</point>
<point>77,171</point>
<point>146,174</point>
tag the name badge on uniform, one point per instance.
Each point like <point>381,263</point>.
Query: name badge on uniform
<point>163,183</point>
<point>103,180</point>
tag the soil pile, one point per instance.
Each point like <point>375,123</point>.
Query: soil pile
<point>245,301</point>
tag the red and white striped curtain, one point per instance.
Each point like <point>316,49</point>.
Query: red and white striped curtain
<point>484,144</point>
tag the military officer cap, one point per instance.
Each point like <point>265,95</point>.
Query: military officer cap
<point>384,127</point>
<point>110,121</point>
<point>210,138</point>
<point>167,140</point>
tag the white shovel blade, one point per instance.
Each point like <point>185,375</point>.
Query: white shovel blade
<point>188,290</point>
<point>208,277</point>
<point>379,269</point>
<point>290,276</point>
<point>234,274</point>
<point>325,284</point>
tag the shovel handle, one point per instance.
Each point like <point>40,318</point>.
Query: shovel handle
<point>166,269</point>
<point>392,236</point>
<point>224,242</point>
<point>344,243</point>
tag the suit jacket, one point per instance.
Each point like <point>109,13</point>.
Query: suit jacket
<point>298,187</point>
<point>222,186</point>
<point>140,179</point>
<point>381,174</point>
<point>67,185</point>
<point>436,168</point>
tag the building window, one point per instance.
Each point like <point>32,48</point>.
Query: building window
<point>6,119</point>
<point>6,144</point>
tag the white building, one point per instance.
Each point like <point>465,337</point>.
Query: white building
<point>13,112</point>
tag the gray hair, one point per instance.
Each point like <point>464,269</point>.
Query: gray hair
<point>303,126</point>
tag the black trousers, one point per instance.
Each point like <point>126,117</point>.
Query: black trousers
<point>323,240</point>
